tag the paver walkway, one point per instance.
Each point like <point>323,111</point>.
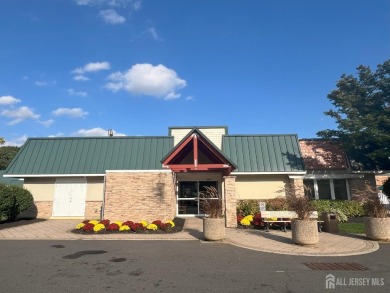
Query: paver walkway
<point>271,242</point>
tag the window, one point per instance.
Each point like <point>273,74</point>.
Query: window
<point>340,189</point>
<point>326,188</point>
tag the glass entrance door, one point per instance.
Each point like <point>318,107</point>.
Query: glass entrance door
<point>188,197</point>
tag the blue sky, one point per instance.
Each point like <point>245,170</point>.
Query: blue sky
<point>80,67</point>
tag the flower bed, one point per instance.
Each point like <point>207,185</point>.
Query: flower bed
<point>250,221</point>
<point>255,222</point>
<point>106,227</point>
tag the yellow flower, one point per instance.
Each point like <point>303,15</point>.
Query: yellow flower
<point>124,228</point>
<point>151,227</point>
<point>249,218</point>
<point>119,223</point>
<point>94,222</point>
<point>99,227</point>
<point>144,223</point>
<point>245,222</point>
<point>171,223</point>
<point>80,226</point>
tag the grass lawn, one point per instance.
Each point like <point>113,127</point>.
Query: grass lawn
<point>353,228</point>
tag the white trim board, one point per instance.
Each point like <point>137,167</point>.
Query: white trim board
<point>53,175</point>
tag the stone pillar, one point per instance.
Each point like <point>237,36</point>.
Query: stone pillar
<point>230,201</point>
<point>296,186</point>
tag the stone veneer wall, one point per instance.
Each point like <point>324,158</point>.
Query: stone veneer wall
<point>297,186</point>
<point>139,196</point>
<point>40,210</point>
<point>230,202</point>
<point>92,210</point>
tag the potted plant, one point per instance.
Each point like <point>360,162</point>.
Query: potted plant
<point>304,228</point>
<point>377,221</point>
<point>213,222</point>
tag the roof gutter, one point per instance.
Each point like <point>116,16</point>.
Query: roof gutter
<point>51,175</point>
<point>269,173</point>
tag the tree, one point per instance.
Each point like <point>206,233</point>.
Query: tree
<point>7,153</point>
<point>362,112</point>
<point>2,141</point>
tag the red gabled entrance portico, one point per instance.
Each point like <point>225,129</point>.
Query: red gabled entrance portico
<point>196,153</point>
<point>197,163</point>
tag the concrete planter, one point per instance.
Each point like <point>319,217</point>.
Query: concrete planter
<point>304,232</point>
<point>214,229</point>
<point>377,228</point>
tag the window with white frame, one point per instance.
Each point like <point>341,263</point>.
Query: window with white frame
<point>326,188</point>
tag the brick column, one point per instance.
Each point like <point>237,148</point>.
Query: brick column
<point>230,201</point>
<point>296,186</point>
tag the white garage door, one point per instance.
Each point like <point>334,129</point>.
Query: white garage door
<point>69,197</point>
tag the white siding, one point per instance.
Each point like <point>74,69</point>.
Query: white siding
<point>213,134</point>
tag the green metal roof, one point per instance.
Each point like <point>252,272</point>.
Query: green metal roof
<point>95,155</point>
<point>89,155</point>
<point>264,153</point>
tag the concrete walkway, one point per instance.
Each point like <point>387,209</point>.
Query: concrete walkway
<point>271,242</point>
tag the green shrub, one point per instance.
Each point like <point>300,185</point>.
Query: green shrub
<point>14,200</point>
<point>248,207</point>
<point>7,202</point>
<point>344,208</point>
<point>386,188</point>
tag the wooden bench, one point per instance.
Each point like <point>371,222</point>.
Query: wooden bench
<point>266,215</point>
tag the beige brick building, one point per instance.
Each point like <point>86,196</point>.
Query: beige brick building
<point>162,177</point>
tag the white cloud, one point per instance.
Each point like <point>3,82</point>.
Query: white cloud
<point>92,67</point>
<point>98,131</point>
<point>45,83</point>
<point>46,123</point>
<point>8,100</point>
<point>58,134</point>
<point>115,3</point>
<point>19,115</point>
<point>41,83</point>
<point>17,141</point>
<point>190,98</point>
<point>70,112</point>
<point>146,79</point>
<point>111,16</point>
<point>80,77</point>
<point>137,4</point>
<point>153,33</point>
<point>72,92</point>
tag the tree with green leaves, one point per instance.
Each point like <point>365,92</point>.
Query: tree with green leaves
<point>2,141</point>
<point>7,153</point>
<point>362,113</point>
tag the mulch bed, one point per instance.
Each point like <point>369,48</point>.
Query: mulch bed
<point>179,223</point>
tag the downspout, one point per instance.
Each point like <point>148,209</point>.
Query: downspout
<point>104,199</point>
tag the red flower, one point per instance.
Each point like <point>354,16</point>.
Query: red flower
<point>164,226</point>
<point>137,227</point>
<point>105,223</point>
<point>88,227</point>
<point>127,223</point>
<point>85,221</point>
<point>113,227</point>
<point>239,218</point>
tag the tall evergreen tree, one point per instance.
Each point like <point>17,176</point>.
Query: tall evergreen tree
<point>362,112</point>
